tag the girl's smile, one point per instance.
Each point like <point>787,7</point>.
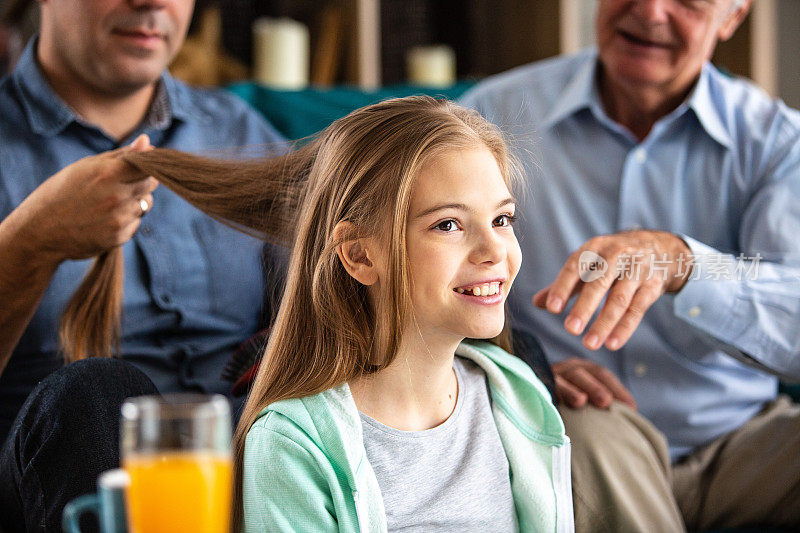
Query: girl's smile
<point>483,293</point>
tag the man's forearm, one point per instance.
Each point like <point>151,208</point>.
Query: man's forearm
<point>24,278</point>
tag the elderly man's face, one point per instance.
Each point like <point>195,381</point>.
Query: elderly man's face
<point>661,42</point>
<point>114,45</point>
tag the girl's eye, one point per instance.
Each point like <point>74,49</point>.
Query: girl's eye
<point>505,221</point>
<point>447,225</point>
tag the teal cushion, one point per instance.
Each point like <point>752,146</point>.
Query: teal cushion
<point>298,114</point>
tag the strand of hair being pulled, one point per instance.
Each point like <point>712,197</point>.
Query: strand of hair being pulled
<point>259,197</point>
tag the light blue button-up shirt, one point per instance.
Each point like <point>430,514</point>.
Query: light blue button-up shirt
<point>723,171</point>
<point>194,288</point>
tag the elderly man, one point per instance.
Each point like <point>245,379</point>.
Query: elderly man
<point>92,82</point>
<point>671,191</point>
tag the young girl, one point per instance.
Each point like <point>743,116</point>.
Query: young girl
<point>370,411</point>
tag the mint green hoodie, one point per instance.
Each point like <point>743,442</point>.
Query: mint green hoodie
<point>305,468</point>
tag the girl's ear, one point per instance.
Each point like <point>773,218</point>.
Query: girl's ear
<point>357,255</point>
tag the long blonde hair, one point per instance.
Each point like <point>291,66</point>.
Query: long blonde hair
<point>361,169</point>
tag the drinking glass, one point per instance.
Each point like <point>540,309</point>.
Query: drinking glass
<point>177,450</point>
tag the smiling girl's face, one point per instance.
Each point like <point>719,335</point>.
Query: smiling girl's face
<point>461,246</point>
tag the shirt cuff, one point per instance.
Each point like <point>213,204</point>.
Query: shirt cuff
<point>707,300</point>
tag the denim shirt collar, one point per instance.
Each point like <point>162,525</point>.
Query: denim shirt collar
<point>48,114</point>
<point>582,93</point>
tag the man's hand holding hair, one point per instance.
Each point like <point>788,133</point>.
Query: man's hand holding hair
<point>90,206</point>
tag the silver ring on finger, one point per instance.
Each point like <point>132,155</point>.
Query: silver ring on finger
<point>143,206</point>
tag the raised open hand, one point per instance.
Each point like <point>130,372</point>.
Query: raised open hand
<point>631,270</point>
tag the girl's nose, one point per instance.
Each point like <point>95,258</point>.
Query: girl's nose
<point>487,248</point>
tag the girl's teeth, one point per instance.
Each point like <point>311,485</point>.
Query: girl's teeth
<point>488,289</point>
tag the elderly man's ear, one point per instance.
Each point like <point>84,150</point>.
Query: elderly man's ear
<point>733,20</point>
<point>358,255</point>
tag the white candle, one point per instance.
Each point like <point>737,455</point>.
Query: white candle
<point>433,66</point>
<point>280,53</point>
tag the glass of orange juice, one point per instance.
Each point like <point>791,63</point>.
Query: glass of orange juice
<point>177,450</point>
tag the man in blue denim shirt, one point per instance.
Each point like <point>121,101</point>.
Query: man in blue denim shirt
<point>660,185</point>
<point>93,81</point>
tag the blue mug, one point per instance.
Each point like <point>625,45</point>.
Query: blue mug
<point>108,503</point>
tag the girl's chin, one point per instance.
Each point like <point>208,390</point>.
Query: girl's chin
<point>484,333</point>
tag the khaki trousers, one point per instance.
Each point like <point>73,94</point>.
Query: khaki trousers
<point>622,479</point>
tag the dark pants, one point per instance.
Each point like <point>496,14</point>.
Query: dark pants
<point>65,435</point>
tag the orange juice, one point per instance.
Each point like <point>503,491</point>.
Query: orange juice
<point>179,491</point>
